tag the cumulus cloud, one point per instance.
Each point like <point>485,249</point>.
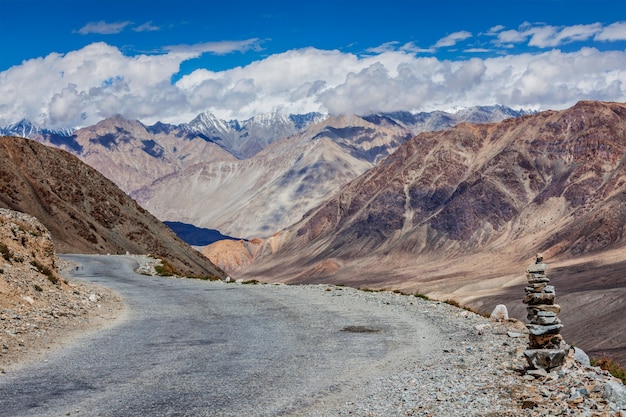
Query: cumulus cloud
<point>103,28</point>
<point>82,87</point>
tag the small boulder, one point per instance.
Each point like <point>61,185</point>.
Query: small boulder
<point>615,391</point>
<point>500,313</point>
<point>581,357</point>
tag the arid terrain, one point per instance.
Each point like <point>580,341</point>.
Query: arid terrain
<point>455,213</point>
<point>39,309</point>
<point>460,213</point>
<point>84,211</point>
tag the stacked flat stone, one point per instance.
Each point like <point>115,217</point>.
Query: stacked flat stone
<point>546,348</point>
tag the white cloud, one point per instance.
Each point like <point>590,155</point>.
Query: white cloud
<point>385,47</point>
<point>495,29</point>
<point>546,36</point>
<point>452,39</point>
<point>551,36</point>
<point>147,27</point>
<point>103,28</point>
<point>82,87</point>
<point>613,32</point>
<point>217,48</point>
<point>409,47</point>
<point>477,50</point>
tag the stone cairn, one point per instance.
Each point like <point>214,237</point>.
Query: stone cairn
<point>546,348</point>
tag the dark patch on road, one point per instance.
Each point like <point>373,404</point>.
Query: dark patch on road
<point>360,329</point>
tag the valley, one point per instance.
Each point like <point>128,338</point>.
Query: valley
<point>419,203</point>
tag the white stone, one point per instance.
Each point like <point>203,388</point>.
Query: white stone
<point>537,373</point>
<point>499,313</point>
<point>615,391</point>
<point>581,357</point>
<point>537,267</point>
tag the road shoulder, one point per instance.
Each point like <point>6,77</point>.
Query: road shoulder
<point>31,331</point>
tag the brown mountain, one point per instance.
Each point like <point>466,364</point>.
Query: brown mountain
<point>133,155</point>
<point>274,188</point>
<point>247,178</point>
<point>460,213</point>
<point>264,193</point>
<point>84,211</point>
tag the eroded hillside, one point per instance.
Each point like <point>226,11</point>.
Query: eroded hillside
<point>84,211</point>
<point>459,213</point>
<point>36,304</point>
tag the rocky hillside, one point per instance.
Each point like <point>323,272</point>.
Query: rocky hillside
<point>35,302</point>
<point>245,178</point>
<point>273,188</point>
<point>262,194</point>
<point>133,155</point>
<point>84,211</point>
<point>458,213</point>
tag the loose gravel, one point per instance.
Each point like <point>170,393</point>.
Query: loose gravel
<point>461,364</point>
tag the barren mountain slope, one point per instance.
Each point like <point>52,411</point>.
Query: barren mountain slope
<point>84,211</point>
<point>132,155</point>
<point>246,138</point>
<point>460,213</point>
<point>260,195</point>
<point>293,171</point>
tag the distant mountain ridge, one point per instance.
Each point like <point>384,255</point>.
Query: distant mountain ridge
<point>242,139</point>
<point>248,178</point>
<point>459,214</point>
<point>245,138</point>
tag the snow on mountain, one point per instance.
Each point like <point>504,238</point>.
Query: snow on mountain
<point>26,129</point>
<point>246,138</point>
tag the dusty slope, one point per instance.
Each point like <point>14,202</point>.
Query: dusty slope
<point>133,155</point>
<point>38,307</point>
<point>260,195</point>
<point>460,213</point>
<point>203,172</point>
<point>84,211</point>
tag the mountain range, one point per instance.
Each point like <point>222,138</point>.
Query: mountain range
<point>425,203</point>
<point>249,178</point>
<point>84,211</point>
<point>460,213</point>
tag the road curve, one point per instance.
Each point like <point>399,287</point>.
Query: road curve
<point>196,348</point>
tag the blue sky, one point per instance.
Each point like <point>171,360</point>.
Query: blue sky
<point>67,63</point>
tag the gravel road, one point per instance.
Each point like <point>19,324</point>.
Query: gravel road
<point>195,348</point>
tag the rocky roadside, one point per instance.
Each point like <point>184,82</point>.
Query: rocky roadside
<point>31,329</point>
<point>39,308</point>
<point>481,371</point>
